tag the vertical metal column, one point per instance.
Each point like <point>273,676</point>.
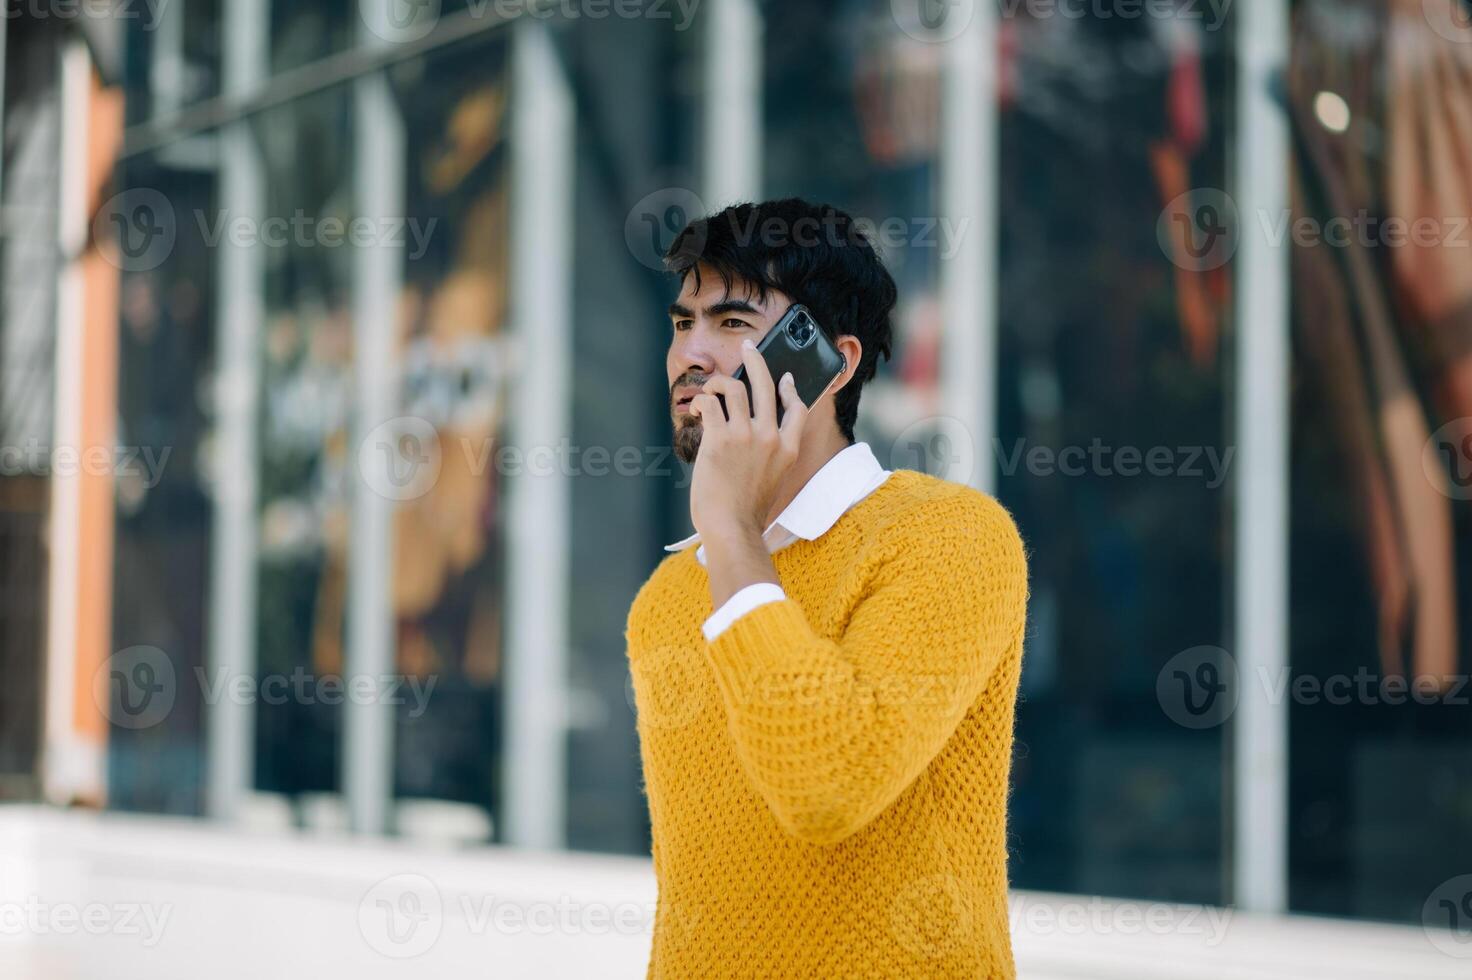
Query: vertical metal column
<point>537,496</point>
<point>377,278</point>
<point>968,197</point>
<point>732,169</point>
<point>73,765</point>
<point>1260,728</point>
<point>230,723</point>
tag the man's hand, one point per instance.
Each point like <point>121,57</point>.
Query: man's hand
<point>742,459</point>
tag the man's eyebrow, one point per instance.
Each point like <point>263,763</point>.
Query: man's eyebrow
<point>731,306</point>
<point>716,309</point>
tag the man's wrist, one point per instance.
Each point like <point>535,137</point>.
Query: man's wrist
<point>730,534</point>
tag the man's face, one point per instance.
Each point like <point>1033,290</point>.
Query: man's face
<point>706,331</point>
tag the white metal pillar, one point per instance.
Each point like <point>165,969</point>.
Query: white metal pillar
<point>538,513</point>
<point>968,198</point>
<point>378,269</point>
<point>1260,727</point>
<point>230,722</point>
<point>74,765</point>
<point>732,168</point>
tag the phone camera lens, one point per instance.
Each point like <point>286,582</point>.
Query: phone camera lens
<point>801,329</point>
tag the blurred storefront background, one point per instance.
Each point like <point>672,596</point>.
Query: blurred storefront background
<point>336,429</point>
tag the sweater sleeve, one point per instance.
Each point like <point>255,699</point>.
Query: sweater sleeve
<point>831,732</point>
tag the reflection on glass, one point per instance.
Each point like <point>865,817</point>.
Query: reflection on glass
<point>305,456</point>
<point>1381,771</point>
<point>166,360</point>
<point>448,562</point>
<point>1111,349</point>
<point>853,118</point>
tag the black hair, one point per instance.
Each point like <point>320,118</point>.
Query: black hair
<point>815,254</point>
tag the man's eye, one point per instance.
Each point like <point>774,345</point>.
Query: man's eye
<point>733,322</point>
<point>682,324</point>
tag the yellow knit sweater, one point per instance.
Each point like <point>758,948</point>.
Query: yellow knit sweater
<point>827,781</point>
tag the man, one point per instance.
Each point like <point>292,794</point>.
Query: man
<point>825,682</point>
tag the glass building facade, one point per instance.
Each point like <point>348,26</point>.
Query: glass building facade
<point>420,241</point>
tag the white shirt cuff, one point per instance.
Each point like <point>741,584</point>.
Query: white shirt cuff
<point>739,605</point>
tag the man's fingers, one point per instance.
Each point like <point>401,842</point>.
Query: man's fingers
<point>708,408</point>
<point>735,394</point>
<point>763,389</point>
<point>794,415</point>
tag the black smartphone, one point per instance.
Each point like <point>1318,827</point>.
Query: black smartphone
<point>795,344</point>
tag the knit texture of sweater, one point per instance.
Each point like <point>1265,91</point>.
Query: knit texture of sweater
<point>828,780</point>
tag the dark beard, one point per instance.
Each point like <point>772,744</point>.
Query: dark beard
<point>686,440</point>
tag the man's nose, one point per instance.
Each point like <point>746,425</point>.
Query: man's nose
<point>698,355</point>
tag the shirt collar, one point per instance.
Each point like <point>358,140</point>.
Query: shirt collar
<point>839,484</point>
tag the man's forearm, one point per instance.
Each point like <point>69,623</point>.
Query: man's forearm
<point>734,559</point>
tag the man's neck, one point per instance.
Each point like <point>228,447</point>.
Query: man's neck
<point>810,459</point>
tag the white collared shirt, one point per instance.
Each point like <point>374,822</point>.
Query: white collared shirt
<point>851,475</point>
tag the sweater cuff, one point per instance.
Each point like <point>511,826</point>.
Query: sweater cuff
<point>739,605</point>
<point>761,640</point>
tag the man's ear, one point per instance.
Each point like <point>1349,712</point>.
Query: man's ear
<point>850,361</point>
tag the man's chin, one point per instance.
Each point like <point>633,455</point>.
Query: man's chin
<point>687,442</point>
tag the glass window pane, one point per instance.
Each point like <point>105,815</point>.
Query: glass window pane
<point>306,459</point>
<point>1381,542</point>
<point>448,541</point>
<point>1113,350</point>
<point>852,111</point>
<point>165,505</point>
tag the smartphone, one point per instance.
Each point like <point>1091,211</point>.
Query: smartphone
<point>795,344</point>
